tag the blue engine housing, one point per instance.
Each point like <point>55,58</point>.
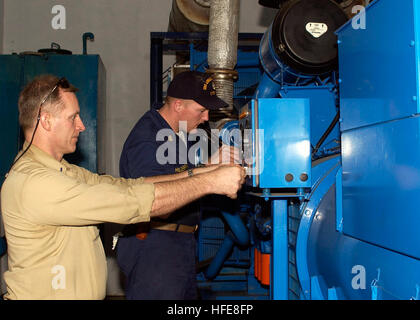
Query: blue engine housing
<point>352,231</point>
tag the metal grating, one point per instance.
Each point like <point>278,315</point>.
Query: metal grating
<point>212,234</point>
<point>293,224</point>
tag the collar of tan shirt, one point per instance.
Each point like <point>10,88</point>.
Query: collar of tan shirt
<point>44,158</point>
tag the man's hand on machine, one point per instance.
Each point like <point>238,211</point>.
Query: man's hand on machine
<point>227,180</point>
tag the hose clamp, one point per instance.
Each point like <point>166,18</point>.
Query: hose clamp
<point>223,74</point>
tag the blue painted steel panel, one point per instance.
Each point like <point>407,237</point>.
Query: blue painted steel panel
<point>378,66</point>
<point>381,184</point>
<point>282,138</point>
<point>323,110</point>
<point>321,250</point>
<point>279,264</point>
<point>334,255</point>
<point>335,294</point>
<point>323,177</point>
<point>338,200</point>
<point>319,288</point>
<point>381,176</point>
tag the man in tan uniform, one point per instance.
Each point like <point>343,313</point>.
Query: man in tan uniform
<point>50,207</point>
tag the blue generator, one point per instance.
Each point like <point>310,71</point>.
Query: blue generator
<point>331,143</point>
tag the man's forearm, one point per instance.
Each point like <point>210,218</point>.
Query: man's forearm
<point>172,195</point>
<point>177,176</point>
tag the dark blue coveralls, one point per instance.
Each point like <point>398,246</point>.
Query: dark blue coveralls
<point>161,266</point>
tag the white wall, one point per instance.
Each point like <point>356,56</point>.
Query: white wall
<point>1,25</point>
<point>122,39</point>
<point>122,32</point>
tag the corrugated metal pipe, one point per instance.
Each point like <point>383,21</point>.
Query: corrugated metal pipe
<point>223,48</point>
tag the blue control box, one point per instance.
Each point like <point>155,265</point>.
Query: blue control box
<point>276,142</point>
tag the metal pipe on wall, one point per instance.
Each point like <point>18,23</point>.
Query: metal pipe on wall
<point>223,48</point>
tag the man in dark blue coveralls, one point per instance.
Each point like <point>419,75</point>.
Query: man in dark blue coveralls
<point>158,259</point>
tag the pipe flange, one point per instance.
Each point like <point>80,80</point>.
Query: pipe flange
<point>223,74</point>
<point>203,3</point>
<point>193,12</point>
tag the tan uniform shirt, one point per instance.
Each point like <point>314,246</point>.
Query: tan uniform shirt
<point>50,209</point>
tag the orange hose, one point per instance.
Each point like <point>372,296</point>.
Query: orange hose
<point>265,269</point>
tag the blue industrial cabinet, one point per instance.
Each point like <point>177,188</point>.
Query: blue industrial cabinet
<point>86,72</point>
<point>380,127</point>
<point>277,142</point>
<point>382,85</point>
<point>10,78</point>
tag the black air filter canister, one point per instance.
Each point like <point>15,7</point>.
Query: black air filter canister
<point>303,35</point>
<point>272,3</point>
